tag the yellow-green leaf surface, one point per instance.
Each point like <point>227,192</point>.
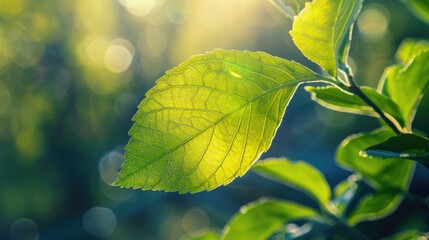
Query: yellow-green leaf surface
<point>300,175</point>
<point>205,234</point>
<point>333,98</point>
<point>322,31</point>
<point>208,120</point>
<point>374,206</point>
<point>290,8</point>
<point>410,48</point>
<point>260,219</point>
<point>405,85</point>
<point>391,173</point>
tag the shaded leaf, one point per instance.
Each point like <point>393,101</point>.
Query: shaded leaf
<point>405,85</point>
<point>409,146</point>
<point>261,219</point>
<point>420,8</point>
<point>208,120</point>
<point>407,235</point>
<point>336,99</point>
<point>375,206</point>
<point>344,193</point>
<point>300,175</point>
<point>322,32</point>
<point>392,173</point>
<point>206,234</point>
<point>410,48</point>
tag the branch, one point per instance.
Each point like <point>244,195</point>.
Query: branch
<point>354,88</point>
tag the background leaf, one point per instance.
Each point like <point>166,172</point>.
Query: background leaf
<point>259,220</point>
<point>410,48</point>
<point>333,98</point>
<point>206,234</point>
<point>420,8</point>
<point>405,85</point>
<point>374,206</point>
<point>322,31</point>
<point>409,146</point>
<point>392,173</point>
<point>208,120</point>
<point>409,234</point>
<point>300,175</point>
<point>290,8</point>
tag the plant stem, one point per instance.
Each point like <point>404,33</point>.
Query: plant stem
<point>354,88</point>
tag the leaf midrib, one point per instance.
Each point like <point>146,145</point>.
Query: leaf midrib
<point>286,84</point>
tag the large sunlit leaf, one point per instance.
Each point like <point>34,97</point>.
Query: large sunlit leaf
<point>405,85</point>
<point>392,173</point>
<point>259,220</point>
<point>408,146</point>
<point>410,48</point>
<point>333,98</point>
<point>208,120</point>
<point>300,175</point>
<point>322,31</point>
<point>374,206</point>
<point>420,8</point>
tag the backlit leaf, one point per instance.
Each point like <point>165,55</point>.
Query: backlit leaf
<point>322,31</point>
<point>300,175</point>
<point>290,8</point>
<point>392,173</point>
<point>410,48</point>
<point>375,206</point>
<point>206,234</point>
<point>405,85</point>
<point>333,98</point>
<point>259,220</point>
<point>409,234</point>
<point>208,120</point>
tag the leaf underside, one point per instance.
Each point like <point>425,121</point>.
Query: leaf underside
<point>208,120</point>
<point>322,32</point>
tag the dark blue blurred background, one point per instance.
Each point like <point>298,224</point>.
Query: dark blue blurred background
<point>73,72</point>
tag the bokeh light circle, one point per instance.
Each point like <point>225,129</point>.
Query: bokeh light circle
<point>99,222</point>
<point>24,229</point>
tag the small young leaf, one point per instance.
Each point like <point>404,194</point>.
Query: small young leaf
<point>409,146</point>
<point>322,31</point>
<point>290,8</point>
<point>374,206</point>
<point>420,8</point>
<point>260,219</point>
<point>206,234</point>
<point>394,173</point>
<point>410,48</point>
<point>300,175</point>
<point>208,120</point>
<point>333,98</point>
<point>344,193</point>
<point>405,85</point>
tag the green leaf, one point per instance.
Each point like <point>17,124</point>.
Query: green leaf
<point>420,8</point>
<point>408,146</point>
<point>322,32</point>
<point>392,173</point>
<point>374,206</point>
<point>344,193</point>
<point>205,234</point>
<point>289,7</point>
<point>405,85</point>
<point>336,99</point>
<point>407,235</point>
<point>260,219</point>
<point>300,175</point>
<point>410,48</point>
<point>208,120</point>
